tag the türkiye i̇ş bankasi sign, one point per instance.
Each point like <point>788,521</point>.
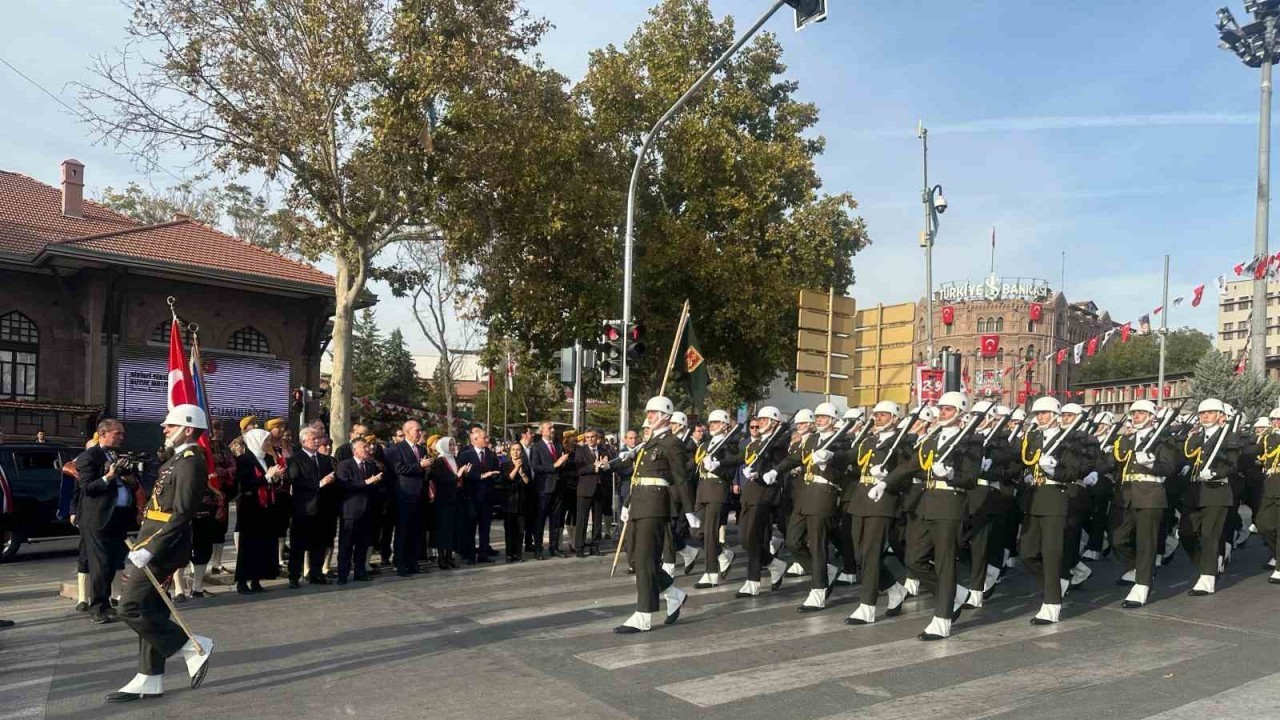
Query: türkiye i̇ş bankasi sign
<point>994,288</point>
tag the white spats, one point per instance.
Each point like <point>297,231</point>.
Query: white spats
<point>689,555</point>
<point>675,598</point>
<point>1080,574</point>
<point>938,629</point>
<point>1129,577</point>
<point>833,573</point>
<point>708,580</point>
<point>975,599</point>
<point>1222,561</point>
<point>796,570</point>
<point>669,568</point>
<point>864,615</point>
<point>639,621</point>
<point>845,578</point>
<point>1064,584</point>
<point>993,577</point>
<point>775,544</point>
<point>196,657</point>
<point>145,685</point>
<point>912,586</point>
<point>750,587</point>
<point>897,594</point>
<point>1205,585</point>
<point>962,595</point>
<point>1049,613</point>
<point>777,568</point>
<point>1271,563</point>
<point>1275,578</point>
<point>1090,555</point>
<point>725,559</point>
<point>1137,596</point>
<point>82,587</point>
<point>197,578</point>
<point>817,599</point>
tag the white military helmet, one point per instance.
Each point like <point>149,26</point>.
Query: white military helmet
<point>1046,404</point>
<point>1002,410</point>
<point>1211,405</point>
<point>770,412</point>
<point>929,414</point>
<point>718,416</point>
<point>828,409</point>
<point>1072,409</point>
<point>804,416</point>
<point>679,418</point>
<point>660,404</point>
<point>1275,414</point>
<point>191,416</point>
<point>1144,406</point>
<point>853,414</point>
<point>1106,418</point>
<point>1261,423</point>
<point>983,407</point>
<point>954,399</point>
<point>1228,408</point>
<point>1018,415</point>
<point>886,406</point>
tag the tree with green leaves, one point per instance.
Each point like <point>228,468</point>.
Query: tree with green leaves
<point>399,383</point>
<point>1215,377</point>
<point>1140,357</point>
<point>359,112</point>
<point>153,207</point>
<point>369,367</point>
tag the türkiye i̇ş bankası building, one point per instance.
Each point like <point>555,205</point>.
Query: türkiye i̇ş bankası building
<point>84,323</point>
<point>1004,327</point>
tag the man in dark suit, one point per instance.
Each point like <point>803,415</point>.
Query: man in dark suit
<point>358,479</point>
<point>529,497</point>
<point>344,451</point>
<point>308,472</point>
<point>409,458</point>
<point>486,466</point>
<point>592,463</point>
<point>105,514</point>
<point>546,457</point>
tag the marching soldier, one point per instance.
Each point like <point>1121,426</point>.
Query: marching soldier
<point>950,458</point>
<point>802,428</point>
<point>676,540</point>
<point>1267,517</point>
<point>659,475</point>
<point>164,546</point>
<point>1078,517</point>
<point>909,530</point>
<point>1100,494</point>
<point>871,518</point>
<point>717,461</point>
<point>816,497</point>
<point>1144,462</point>
<point>761,495</point>
<point>1054,462</point>
<point>987,506</point>
<point>855,420</point>
<point>1213,450</point>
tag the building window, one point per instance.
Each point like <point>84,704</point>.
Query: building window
<point>164,331</point>
<point>999,324</point>
<point>948,329</point>
<point>249,340</point>
<point>982,325</point>
<point>1000,357</point>
<point>1031,326</point>
<point>19,353</point>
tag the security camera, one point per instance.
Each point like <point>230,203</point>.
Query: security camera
<point>940,204</point>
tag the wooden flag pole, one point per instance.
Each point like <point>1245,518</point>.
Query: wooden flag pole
<point>671,360</point>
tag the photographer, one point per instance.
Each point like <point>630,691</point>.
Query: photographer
<point>107,485</point>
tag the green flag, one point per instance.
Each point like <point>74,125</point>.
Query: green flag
<point>693,366</point>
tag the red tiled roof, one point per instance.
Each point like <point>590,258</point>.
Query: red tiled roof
<point>31,222</point>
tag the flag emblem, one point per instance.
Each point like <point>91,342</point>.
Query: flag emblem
<point>692,359</point>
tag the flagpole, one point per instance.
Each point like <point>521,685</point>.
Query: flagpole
<point>675,346</point>
<point>507,381</point>
<point>1164,326</point>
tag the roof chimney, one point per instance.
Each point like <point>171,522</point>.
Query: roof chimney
<point>72,188</point>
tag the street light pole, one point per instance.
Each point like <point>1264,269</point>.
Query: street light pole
<point>927,239</point>
<point>629,241</point>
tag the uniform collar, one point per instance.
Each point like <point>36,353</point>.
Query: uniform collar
<point>659,432</point>
<point>181,447</point>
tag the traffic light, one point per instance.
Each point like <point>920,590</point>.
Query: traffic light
<point>808,12</point>
<point>635,341</point>
<point>610,349</point>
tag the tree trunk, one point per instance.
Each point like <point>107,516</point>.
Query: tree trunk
<point>447,363</point>
<point>345,296</point>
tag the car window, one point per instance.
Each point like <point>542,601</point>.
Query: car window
<point>37,460</point>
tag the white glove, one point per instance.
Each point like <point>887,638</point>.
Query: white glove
<point>822,457</point>
<point>625,455</point>
<point>1186,470</point>
<point>140,557</point>
<point>878,472</point>
<point>749,473</point>
<point>1091,479</point>
<point>876,491</point>
<point>625,514</point>
<point>1206,474</point>
<point>770,477</point>
<point>940,471</point>
<point>986,464</point>
<point>710,464</point>
<point>1049,464</point>
<point>694,522</point>
<point>1145,458</point>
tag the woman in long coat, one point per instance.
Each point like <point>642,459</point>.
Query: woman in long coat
<point>452,534</point>
<point>258,478</point>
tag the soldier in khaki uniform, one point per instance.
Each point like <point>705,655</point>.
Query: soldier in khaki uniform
<point>660,475</point>
<point>716,461</point>
<point>1143,464</point>
<point>761,495</point>
<point>1213,450</point>
<point>871,519</point>
<point>164,545</point>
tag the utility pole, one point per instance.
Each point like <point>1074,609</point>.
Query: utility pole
<point>1164,329</point>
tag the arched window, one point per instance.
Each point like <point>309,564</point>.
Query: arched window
<point>164,331</point>
<point>248,340</point>
<point>1031,326</point>
<point>982,325</point>
<point>1000,324</point>
<point>19,353</point>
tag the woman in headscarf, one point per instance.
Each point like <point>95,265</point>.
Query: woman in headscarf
<point>452,533</point>
<point>258,477</point>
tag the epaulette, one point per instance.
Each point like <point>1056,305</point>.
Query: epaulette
<point>188,453</point>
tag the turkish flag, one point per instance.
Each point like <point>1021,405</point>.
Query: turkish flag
<point>1037,311</point>
<point>1062,355</point>
<point>1140,391</point>
<point>1260,271</point>
<point>1092,348</point>
<point>990,345</point>
<point>1197,294</point>
<point>1125,329</point>
<point>181,390</point>
<point>948,315</point>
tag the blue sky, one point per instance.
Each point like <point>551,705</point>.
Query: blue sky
<point>1116,132</point>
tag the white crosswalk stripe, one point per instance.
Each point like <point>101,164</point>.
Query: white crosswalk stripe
<point>790,675</point>
<point>1257,699</point>
<point>1019,688</point>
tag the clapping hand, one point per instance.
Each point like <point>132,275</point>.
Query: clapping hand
<point>326,480</point>
<point>373,479</point>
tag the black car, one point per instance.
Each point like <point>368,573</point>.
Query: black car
<point>41,494</point>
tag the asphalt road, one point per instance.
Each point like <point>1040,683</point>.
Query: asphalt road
<point>534,640</point>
